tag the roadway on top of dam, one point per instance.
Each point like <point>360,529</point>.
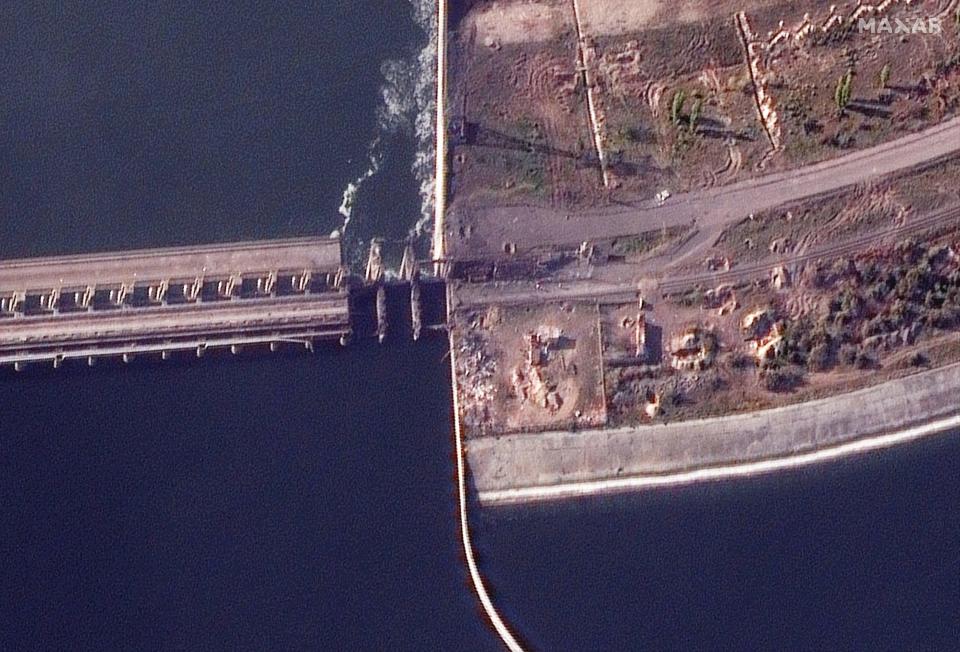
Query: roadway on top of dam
<point>474,231</point>
<point>155,265</point>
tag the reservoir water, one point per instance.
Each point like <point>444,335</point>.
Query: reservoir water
<point>308,502</point>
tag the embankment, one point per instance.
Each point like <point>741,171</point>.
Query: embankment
<point>554,465</point>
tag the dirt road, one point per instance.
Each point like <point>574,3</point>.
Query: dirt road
<point>484,230</point>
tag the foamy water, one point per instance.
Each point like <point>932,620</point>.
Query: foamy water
<point>407,104</point>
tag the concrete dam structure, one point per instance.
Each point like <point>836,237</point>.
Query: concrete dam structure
<point>193,299</point>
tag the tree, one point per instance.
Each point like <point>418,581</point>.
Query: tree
<point>820,357</point>
<point>865,360</point>
<point>676,107</point>
<point>695,113</point>
<point>842,94</point>
<point>884,76</point>
<point>783,379</point>
<point>848,354</point>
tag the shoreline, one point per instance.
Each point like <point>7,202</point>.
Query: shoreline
<point>547,493</point>
<point>486,602</point>
<point>535,467</point>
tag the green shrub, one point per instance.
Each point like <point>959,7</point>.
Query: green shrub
<point>676,106</point>
<point>820,358</point>
<point>782,379</point>
<point>848,354</point>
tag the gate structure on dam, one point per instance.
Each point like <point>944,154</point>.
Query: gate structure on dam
<point>192,298</point>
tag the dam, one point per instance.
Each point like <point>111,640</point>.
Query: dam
<point>198,298</point>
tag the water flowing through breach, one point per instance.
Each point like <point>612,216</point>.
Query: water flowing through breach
<point>407,105</point>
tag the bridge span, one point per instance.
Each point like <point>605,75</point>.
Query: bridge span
<point>184,299</point>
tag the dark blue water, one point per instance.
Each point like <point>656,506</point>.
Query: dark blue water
<point>862,554</point>
<point>307,502</point>
<point>263,503</point>
<point>129,125</point>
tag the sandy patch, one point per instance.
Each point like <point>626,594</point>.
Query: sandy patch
<point>618,16</point>
<point>531,21</point>
<point>520,22</point>
<point>613,17</point>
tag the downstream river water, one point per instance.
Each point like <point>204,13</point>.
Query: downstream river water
<point>308,502</point>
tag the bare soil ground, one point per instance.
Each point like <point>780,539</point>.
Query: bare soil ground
<point>542,20</point>
<point>863,210</point>
<point>887,310</point>
<point>508,385</point>
<point>516,82</point>
<point>842,321</point>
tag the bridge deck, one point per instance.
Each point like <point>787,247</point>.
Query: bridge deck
<point>155,265</point>
<point>301,317</point>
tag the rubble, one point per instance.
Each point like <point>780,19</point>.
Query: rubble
<point>780,278</point>
<point>764,334</point>
<point>693,349</point>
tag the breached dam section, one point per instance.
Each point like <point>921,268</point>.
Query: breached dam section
<point>293,291</point>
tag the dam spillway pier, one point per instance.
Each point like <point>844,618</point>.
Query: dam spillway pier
<point>194,299</point>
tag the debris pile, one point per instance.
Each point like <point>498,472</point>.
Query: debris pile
<point>756,63</point>
<point>476,371</point>
<point>651,406</point>
<point>530,380</point>
<point>636,325</point>
<point>722,299</point>
<point>780,278</point>
<point>694,349</point>
<point>764,333</point>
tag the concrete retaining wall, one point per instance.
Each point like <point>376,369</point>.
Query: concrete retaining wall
<point>512,468</point>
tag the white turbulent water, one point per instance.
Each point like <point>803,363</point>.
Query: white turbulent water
<point>408,103</point>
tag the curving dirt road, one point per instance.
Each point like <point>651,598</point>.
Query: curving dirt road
<point>478,231</point>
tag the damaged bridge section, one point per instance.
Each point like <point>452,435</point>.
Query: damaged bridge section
<point>164,300</point>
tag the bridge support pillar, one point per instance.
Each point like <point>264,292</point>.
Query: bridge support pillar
<point>301,282</point>
<point>85,300</point>
<point>408,267</point>
<point>119,296</point>
<point>158,293</point>
<point>381,313</point>
<point>415,311</point>
<point>375,261</point>
<point>13,302</point>
<point>193,292</point>
<point>340,280</point>
<point>50,301</point>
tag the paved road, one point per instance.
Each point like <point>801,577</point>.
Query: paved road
<point>709,210</point>
<point>154,265</point>
<point>627,282</point>
<point>949,216</point>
